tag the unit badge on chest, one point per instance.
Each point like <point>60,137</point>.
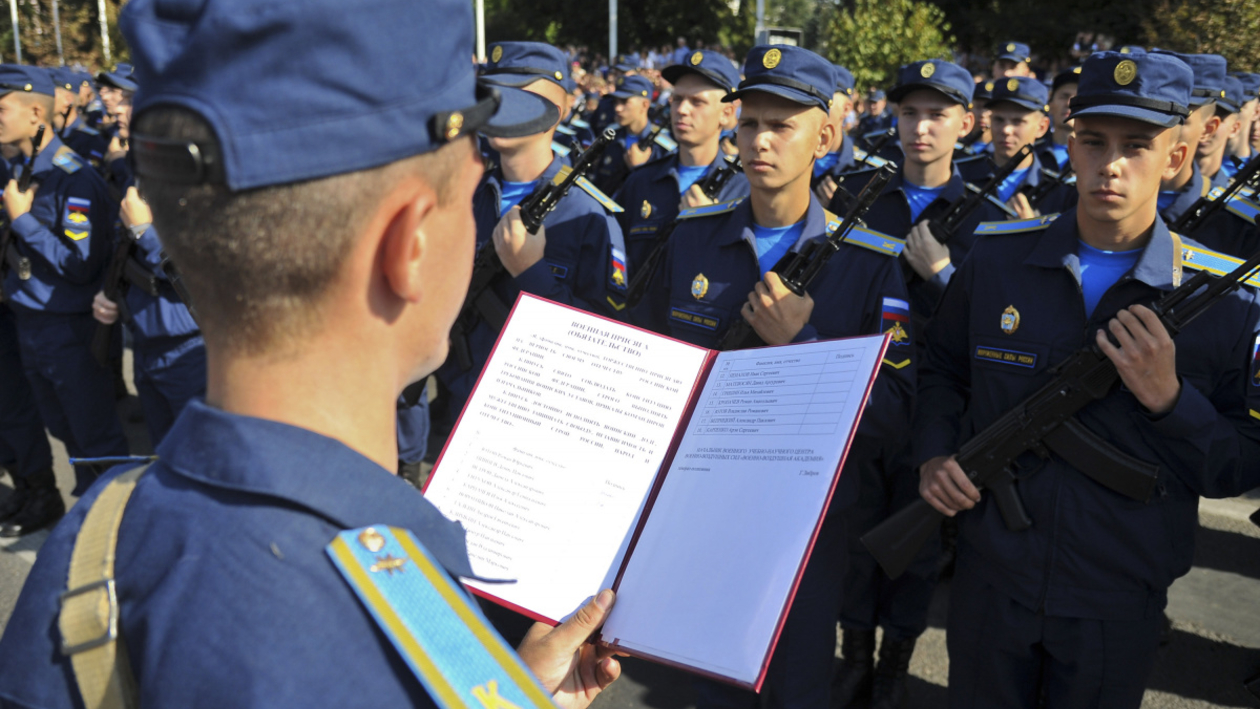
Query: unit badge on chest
<point>1010,320</point>
<point>699,286</point>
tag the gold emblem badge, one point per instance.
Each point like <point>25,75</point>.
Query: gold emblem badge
<point>988,86</point>
<point>699,286</point>
<point>928,70</point>
<point>496,54</point>
<point>772,59</point>
<point>1012,85</point>
<point>1124,50</point>
<point>1010,47</point>
<point>389,564</point>
<point>899,334</point>
<point>646,210</point>
<point>1126,72</point>
<point>696,59</point>
<point>559,76</point>
<point>454,124</point>
<point>371,540</point>
<point>1010,320</point>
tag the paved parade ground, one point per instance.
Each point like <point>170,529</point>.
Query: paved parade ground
<point>1215,611</point>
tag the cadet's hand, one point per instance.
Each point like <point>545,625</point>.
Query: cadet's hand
<point>1019,202</point>
<point>776,313</point>
<point>826,189</point>
<point>1146,357</point>
<point>104,310</point>
<point>572,669</point>
<point>694,197</point>
<point>924,253</point>
<point>134,209</point>
<point>16,202</point>
<point>945,486</point>
<point>638,154</point>
<point>517,248</point>
<point>728,146</point>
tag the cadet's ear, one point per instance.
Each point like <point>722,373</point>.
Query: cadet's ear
<point>1044,126</point>
<point>403,238</point>
<point>826,134</point>
<point>1179,153</point>
<point>968,123</point>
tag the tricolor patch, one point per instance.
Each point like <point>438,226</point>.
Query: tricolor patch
<point>76,220</point>
<point>617,276</point>
<point>1255,363</point>
<point>897,320</point>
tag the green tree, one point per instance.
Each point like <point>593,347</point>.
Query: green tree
<point>872,38</point>
<point>80,33</point>
<point>1225,27</point>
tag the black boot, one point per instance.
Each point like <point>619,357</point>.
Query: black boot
<point>42,506</point>
<point>14,503</point>
<point>889,691</point>
<point>851,683</point>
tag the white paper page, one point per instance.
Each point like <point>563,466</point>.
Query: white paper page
<point>558,448</point>
<point>710,576</point>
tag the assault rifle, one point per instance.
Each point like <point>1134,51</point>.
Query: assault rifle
<point>876,145</point>
<point>1045,423</point>
<point>1047,186</point>
<point>481,301</point>
<point>798,270</point>
<point>176,279</point>
<point>122,273</point>
<point>711,186</point>
<point>13,260</point>
<point>1205,207</point>
<point>947,225</point>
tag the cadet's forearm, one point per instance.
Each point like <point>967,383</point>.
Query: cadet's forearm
<point>72,260</point>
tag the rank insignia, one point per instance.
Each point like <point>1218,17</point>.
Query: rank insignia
<point>618,275</point>
<point>896,319</point>
<point>699,286</point>
<point>76,221</point>
<point>646,210</point>
<point>1010,320</point>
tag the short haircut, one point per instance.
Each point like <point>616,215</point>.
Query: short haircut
<point>48,103</point>
<point>258,263</point>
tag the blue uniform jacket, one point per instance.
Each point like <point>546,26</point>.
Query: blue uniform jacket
<point>163,317</point>
<point>66,235</point>
<point>978,173</point>
<point>1091,552</point>
<point>611,171</point>
<point>88,142</point>
<point>227,597</point>
<point>583,266</point>
<point>1187,196</point>
<point>1229,231</point>
<point>846,163</point>
<point>650,197</point>
<point>850,298</point>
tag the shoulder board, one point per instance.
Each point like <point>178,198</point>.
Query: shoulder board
<point>1198,258</point>
<point>1016,226</point>
<point>599,196</point>
<point>709,210</point>
<point>67,160</point>
<point>579,123</point>
<point>559,149</point>
<point>969,158</point>
<point>1243,208</point>
<point>87,129</point>
<point>562,128</point>
<point>870,239</point>
<point>833,222</point>
<point>666,142</point>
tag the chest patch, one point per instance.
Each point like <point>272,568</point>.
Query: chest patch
<point>1010,320</point>
<point>699,286</point>
<point>1012,357</point>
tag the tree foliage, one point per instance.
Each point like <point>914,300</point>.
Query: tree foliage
<point>80,33</point>
<point>872,38</point>
<point>1225,27</point>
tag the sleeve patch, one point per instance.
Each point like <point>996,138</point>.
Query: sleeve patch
<point>76,219</point>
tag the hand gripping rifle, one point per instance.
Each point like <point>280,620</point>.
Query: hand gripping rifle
<point>1205,207</point>
<point>947,225</point>
<point>1048,185</point>
<point>13,260</point>
<point>798,270</point>
<point>1045,423</point>
<point>122,273</point>
<point>711,186</point>
<point>481,301</point>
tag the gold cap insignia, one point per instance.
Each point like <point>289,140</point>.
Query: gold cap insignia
<point>454,124</point>
<point>1012,85</point>
<point>988,86</point>
<point>1126,72</point>
<point>496,54</point>
<point>699,286</point>
<point>696,59</point>
<point>559,76</point>
<point>1124,50</point>
<point>1010,47</point>
<point>1076,70</point>
<point>772,59</point>
<point>28,87</point>
<point>1010,320</point>
<point>371,540</point>
<point>928,70</point>
<point>646,210</point>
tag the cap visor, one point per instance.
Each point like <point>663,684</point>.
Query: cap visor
<point>782,91</point>
<point>1144,115</point>
<point>673,73</point>
<point>520,113</point>
<point>117,82</point>
<point>515,80</point>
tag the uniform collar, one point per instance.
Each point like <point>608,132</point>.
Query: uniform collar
<point>303,468</point>
<point>815,224</point>
<point>1189,194</point>
<point>44,161</point>
<point>1057,248</point>
<point>953,189</point>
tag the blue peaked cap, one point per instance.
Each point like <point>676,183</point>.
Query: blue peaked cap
<point>298,91</point>
<point>631,86</point>
<point>794,73</point>
<point>711,65</point>
<point>1022,91</point>
<point>946,77</point>
<point>845,83</point>
<point>1015,51</point>
<point>522,63</point>
<point>1148,87</point>
<point>25,79</point>
<point>1235,95</point>
<point>1209,75</point>
<point>121,77</point>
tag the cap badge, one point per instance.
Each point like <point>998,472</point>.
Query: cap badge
<point>559,76</point>
<point>1012,85</point>
<point>1126,72</point>
<point>770,61</point>
<point>1010,47</point>
<point>988,86</point>
<point>699,286</point>
<point>496,54</point>
<point>696,59</point>
<point>928,70</point>
<point>454,124</point>
<point>646,210</point>
<point>1010,320</point>
<point>1076,70</point>
<point>28,87</point>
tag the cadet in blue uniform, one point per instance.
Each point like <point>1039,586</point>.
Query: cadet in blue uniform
<point>1240,145</point>
<point>74,132</point>
<point>980,139</point>
<point>1013,59</point>
<point>1068,612</point>
<point>113,87</point>
<point>218,537</point>
<point>1210,155</point>
<point>842,155</point>
<point>605,113</point>
<point>1179,192</point>
<point>638,141</point>
<point>24,448</point>
<point>877,118</point>
<point>1053,153</point>
<point>717,270</point>
<point>63,225</point>
<point>653,194</point>
<point>1019,117</point>
<point>577,257</point>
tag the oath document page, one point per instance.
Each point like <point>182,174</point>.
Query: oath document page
<point>557,449</point>
<point>709,579</point>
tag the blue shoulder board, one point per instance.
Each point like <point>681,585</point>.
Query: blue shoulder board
<point>709,210</point>
<point>67,160</point>
<point>559,149</point>
<point>870,239</point>
<point>662,139</point>
<point>88,130</point>
<point>1198,258</point>
<point>599,196</point>
<point>1017,226</point>
<point>1243,208</point>
<point>578,122</point>
<point>562,128</point>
